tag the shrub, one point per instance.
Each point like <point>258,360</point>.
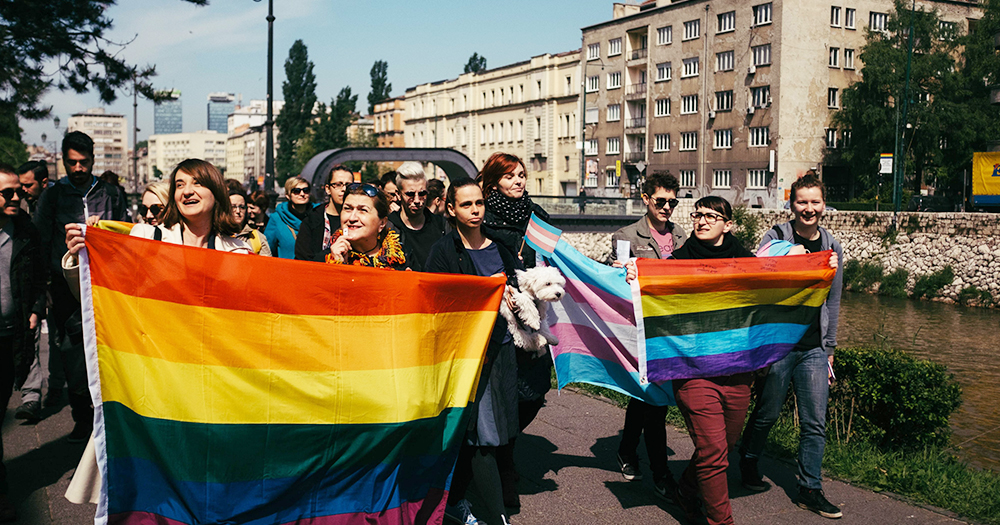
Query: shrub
<point>894,284</point>
<point>748,226</point>
<point>929,285</point>
<point>860,276</point>
<point>973,296</point>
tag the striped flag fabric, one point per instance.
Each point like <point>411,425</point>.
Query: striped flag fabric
<point>230,388</point>
<point>595,324</point>
<point>541,235</point>
<point>716,317</point>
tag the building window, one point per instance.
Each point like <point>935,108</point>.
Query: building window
<point>614,47</point>
<point>663,71</point>
<point>592,116</point>
<point>689,141</point>
<point>594,52</point>
<point>722,178</point>
<point>665,35</point>
<point>614,146</point>
<point>835,16</point>
<point>762,14</point>
<point>615,80</point>
<point>692,29</point>
<point>727,22</point>
<point>661,142</point>
<point>756,179</point>
<point>520,129</point>
<point>689,104</point>
<point>724,61</point>
<point>590,181</point>
<point>848,59</point>
<point>690,67</point>
<point>614,112</point>
<point>947,30</point>
<point>831,138</point>
<point>724,100</point>
<point>493,132</point>
<point>761,54</point>
<point>723,139</point>
<point>849,16</point>
<point>593,84</point>
<point>831,97</point>
<point>760,97</point>
<point>591,147</point>
<point>662,107</point>
<point>759,137</point>
<point>611,178</point>
<point>687,178</point>
<point>846,138</point>
<point>876,21</point>
<point>834,57</point>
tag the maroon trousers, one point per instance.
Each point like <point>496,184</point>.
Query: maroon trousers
<point>714,410</point>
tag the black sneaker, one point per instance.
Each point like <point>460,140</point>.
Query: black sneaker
<point>690,505</point>
<point>813,499</point>
<point>630,469</point>
<point>80,434</point>
<point>752,480</point>
<point>665,487</point>
<point>31,411</point>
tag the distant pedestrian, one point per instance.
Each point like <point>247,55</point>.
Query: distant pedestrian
<point>316,232</point>
<point>252,236</point>
<point>154,201</point>
<point>364,237</point>
<point>387,182</point>
<point>257,208</point>
<point>419,228</point>
<point>283,226</point>
<point>34,176</point>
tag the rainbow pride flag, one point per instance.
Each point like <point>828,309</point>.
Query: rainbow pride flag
<point>232,388</point>
<point>716,317</point>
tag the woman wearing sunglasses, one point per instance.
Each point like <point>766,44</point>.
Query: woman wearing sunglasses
<point>283,225</point>
<point>153,202</point>
<point>252,236</point>
<point>364,237</point>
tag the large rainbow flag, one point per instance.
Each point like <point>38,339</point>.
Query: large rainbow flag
<point>240,389</point>
<point>715,317</point>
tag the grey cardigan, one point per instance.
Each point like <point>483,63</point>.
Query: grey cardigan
<point>830,313</point>
<point>642,243</point>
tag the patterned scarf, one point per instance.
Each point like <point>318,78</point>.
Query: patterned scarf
<point>390,253</point>
<point>513,212</point>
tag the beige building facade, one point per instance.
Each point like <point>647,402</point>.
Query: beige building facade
<point>528,109</point>
<point>168,150</point>
<point>389,120</point>
<point>110,134</point>
<point>734,98</point>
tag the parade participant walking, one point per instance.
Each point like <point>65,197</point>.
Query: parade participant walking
<point>257,209</point>
<point>73,199</point>
<point>154,201</point>
<point>22,301</point>
<point>316,231</point>
<point>252,236</point>
<point>34,176</point>
<point>653,236</point>
<point>808,367</point>
<point>283,226</point>
<point>364,238</point>
<point>418,227</point>
<point>468,250</point>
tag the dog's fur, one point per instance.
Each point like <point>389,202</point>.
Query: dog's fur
<point>539,286</point>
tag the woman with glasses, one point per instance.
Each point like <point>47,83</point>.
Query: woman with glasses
<point>283,226</point>
<point>316,231</point>
<point>154,199</point>
<point>252,236</point>
<point>364,238</point>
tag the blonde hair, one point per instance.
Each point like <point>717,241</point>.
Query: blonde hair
<point>292,182</point>
<point>159,188</point>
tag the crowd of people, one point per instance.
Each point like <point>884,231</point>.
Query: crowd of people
<point>406,222</point>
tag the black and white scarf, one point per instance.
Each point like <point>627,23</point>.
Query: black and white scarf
<point>511,211</point>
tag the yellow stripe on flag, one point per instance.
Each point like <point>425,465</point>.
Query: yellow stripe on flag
<point>657,305</point>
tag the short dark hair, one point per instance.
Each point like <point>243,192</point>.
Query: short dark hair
<point>233,184</point>
<point>335,168</point>
<point>380,200</point>
<point>387,178</point>
<point>78,141</point>
<point>809,180</point>
<point>435,189</point>
<point>717,204</point>
<point>38,167</point>
<point>660,179</point>
<point>7,168</point>
<point>453,190</point>
<point>260,199</point>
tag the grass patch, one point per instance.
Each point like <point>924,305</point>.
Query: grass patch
<point>973,296</point>
<point>894,283</point>
<point>930,285</point>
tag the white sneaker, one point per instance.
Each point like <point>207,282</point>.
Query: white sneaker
<point>461,512</point>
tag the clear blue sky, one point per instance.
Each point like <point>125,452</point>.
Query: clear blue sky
<point>223,47</point>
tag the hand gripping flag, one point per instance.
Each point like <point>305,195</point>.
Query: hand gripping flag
<point>224,395</point>
<point>716,317</point>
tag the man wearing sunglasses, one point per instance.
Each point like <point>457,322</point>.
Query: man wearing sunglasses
<point>653,236</point>
<point>73,199</point>
<point>22,300</point>
<point>320,223</point>
<point>418,227</point>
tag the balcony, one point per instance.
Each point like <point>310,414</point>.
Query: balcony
<point>634,157</point>
<point>635,123</point>
<point>635,91</point>
<point>638,57</point>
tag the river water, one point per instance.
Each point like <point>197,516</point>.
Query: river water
<point>966,340</point>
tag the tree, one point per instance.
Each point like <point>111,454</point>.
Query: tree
<point>329,129</point>
<point>381,88</point>
<point>475,64</point>
<point>67,35</point>
<point>299,90</point>
<point>12,150</point>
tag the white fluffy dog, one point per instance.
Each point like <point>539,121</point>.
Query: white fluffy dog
<point>539,286</point>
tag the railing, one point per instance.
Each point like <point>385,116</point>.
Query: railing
<point>635,91</point>
<point>639,54</point>
<point>634,157</point>
<point>633,123</point>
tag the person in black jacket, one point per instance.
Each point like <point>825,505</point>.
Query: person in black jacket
<point>317,228</point>
<point>419,227</point>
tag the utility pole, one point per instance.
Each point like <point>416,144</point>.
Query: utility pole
<point>898,161</point>
<point>135,136</point>
<point>269,123</point>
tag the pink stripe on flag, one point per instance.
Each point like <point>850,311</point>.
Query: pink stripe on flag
<point>541,236</point>
<point>584,340</point>
<point>610,308</point>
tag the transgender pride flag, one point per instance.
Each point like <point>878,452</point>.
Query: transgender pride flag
<point>595,324</point>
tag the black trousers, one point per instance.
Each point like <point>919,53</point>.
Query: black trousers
<point>6,387</point>
<point>65,324</point>
<point>642,418</point>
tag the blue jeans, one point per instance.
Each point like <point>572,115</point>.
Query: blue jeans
<point>807,372</point>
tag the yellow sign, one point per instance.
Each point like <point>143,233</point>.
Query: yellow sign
<point>618,169</point>
<point>986,178</point>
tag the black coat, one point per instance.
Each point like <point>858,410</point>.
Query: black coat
<point>309,242</point>
<point>511,236</point>
<point>28,272</point>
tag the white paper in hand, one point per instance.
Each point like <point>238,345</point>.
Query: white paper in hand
<point>624,249</point>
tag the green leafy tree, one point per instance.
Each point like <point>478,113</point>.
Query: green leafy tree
<point>381,88</point>
<point>12,150</point>
<point>369,170</point>
<point>299,90</point>
<point>329,129</point>
<point>475,64</point>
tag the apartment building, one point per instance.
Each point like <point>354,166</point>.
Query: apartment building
<point>389,133</point>
<point>734,98</point>
<point>110,134</point>
<point>169,150</point>
<point>528,109</point>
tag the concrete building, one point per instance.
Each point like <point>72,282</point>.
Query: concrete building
<point>135,181</point>
<point>252,114</point>
<point>389,119</point>
<point>235,145</point>
<point>220,106</point>
<point>734,98</point>
<point>528,109</point>
<point>109,132</point>
<point>168,116</point>
<point>167,151</point>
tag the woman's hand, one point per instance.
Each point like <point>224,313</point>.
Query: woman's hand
<point>92,220</point>
<point>833,260</point>
<point>74,238</point>
<point>339,248</point>
<point>508,294</point>
<point>630,270</point>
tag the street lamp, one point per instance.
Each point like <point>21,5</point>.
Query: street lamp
<point>269,123</point>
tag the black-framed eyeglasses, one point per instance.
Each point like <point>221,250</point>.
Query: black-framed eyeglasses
<point>710,218</point>
<point>155,208</point>
<point>661,202</point>
<point>300,191</point>
<point>412,194</point>
<point>369,190</point>
<point>337,185</point>
<point>8,193</point>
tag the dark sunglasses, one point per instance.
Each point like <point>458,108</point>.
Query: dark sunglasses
<point>299,191</point>
<point>369,190</point>
<point>661,202</point>
<point>156,209</point>
<point>81,162</point>
<point>8,193</point>
<point>412,194</point>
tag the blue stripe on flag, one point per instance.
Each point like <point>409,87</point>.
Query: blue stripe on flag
<point>724,342</point>
<point>578,368</point>
<point>577,266</point>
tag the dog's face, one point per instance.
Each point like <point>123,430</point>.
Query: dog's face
<point>543,282</point>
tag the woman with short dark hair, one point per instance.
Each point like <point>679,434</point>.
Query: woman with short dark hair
<point>364,237</point>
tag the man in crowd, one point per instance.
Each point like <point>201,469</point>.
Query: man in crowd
<point>22,300</point>
<point>34,177</point>
<point>809,366</point>
<point>73,199</point>
<point>388,184</point>
<point>653,236</point>
<point>317,229</point>
<point>419,228</point>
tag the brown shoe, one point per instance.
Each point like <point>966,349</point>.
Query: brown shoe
<point>7,511</point>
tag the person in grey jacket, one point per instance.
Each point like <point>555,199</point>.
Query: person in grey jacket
<point>809,367</point>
